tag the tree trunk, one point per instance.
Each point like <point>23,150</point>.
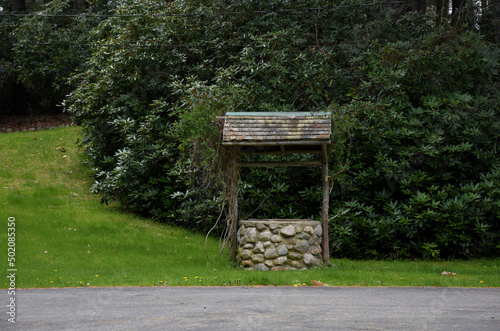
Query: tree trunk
<point>18,6</point>
<point>484,5</point>
<point>456,8</point>
<point>442,10</point>
<point>456,5</point>
<point>439,11</point>
<point>446,7</point>
<point>420,6</point>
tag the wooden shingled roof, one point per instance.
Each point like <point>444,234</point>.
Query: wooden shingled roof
<point>277,128</point>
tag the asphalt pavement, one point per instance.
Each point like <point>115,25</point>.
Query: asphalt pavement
<point>253,308</point>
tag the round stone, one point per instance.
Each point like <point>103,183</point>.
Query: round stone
<point>250,235</point>
<point>288,231</point>
<point>282,250</point>
<point>270,253</point>
<point>309,230</point>
<point>315,240</point>
<point>265,236</point>
<point>294,256</point>
<point>310,260</point>
<point>318,230</point>
<point>280,260</point>
<point>261,226</point>
<point>260,266</point>
<point>297,264</point>
<point>247,263</point>
<point>258,258</point>
<point>259,248</point>
<point>276,239</point>
<point>303,235</point>
<point>238,236</point>
<point>269,264</point>
<point>273,226</point>
<point>316,250</point>
<point>302,246</point>
<point>246,254</point>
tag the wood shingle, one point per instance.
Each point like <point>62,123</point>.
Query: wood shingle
<point>277,128</point>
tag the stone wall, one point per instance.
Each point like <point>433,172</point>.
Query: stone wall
<point>279,244</point>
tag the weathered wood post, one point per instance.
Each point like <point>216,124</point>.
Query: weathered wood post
<point>233,205</point>
<point>325,206</point>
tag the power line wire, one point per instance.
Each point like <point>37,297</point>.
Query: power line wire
<point>206,13</point>
<point>167,46</point>
<point>117,45</point>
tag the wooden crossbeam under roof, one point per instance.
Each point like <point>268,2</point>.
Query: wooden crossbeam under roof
<point>277,128</point>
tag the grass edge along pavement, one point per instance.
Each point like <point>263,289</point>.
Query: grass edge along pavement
<point>66,238</point>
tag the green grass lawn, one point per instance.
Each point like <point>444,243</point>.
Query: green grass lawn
<point>66,238</point>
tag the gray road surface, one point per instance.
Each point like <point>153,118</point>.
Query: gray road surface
<point>257,308</point>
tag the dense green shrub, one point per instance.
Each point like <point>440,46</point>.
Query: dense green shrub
<point>424,166</point>
<point>127,101</point>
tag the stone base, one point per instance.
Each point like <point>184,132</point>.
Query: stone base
<point>279,244</point>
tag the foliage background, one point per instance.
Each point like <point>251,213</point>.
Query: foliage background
<point>414,99</point>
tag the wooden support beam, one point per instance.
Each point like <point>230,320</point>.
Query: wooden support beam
<point>233,207</point>
<point>286,152</point>
<point>280,164</point>
<point>325,207</point>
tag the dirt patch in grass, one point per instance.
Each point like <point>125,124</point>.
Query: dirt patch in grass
<point>33,123</point>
